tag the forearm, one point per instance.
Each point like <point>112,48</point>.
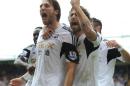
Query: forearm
<point>68,81</point>
<point>70,72</point>
<point>124,54</point>
<point>85,24</point>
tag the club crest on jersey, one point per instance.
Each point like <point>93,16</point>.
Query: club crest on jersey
<point>72,55</point>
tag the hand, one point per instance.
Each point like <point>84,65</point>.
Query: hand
<point>16,82</point>
<point>75,3</point>
<point>112,43</point>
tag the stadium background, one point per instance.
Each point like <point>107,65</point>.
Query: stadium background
<point>16,27</point>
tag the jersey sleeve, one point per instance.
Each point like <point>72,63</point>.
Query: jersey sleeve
<point>70,52</point>
<point>68,49</point>
<point>121,59</point>
<point>23,57</point>
<point>113,53</point>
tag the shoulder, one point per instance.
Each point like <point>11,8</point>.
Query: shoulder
<point>29,47</point>
<point>64,28</point>
<point>64,31</point>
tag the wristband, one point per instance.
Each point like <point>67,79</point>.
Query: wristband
<point>26,77</point>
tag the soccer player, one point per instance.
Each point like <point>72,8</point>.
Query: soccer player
<point>86,41</point>
<point>89,69</point>
<point>27,58</point>
<point>57,57</point>
<point>104,62</point>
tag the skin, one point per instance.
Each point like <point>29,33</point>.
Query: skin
<point>48,15</point>
<point>17,82</point>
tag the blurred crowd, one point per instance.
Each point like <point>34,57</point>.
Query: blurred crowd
<point>8,71</point>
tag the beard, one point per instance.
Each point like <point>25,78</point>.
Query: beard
<point>75,29</point>
<point>48,19</point>
<point>47,22</point>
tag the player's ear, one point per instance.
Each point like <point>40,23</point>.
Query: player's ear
<point>56,12</point>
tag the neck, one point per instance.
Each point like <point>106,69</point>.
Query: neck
<point>53,25</point>
<point>78,34</point>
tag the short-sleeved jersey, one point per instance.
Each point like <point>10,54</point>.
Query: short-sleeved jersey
<point>85,48</point>
<point>27,56</point>
<point>50,66</point>
<point>102,65</point>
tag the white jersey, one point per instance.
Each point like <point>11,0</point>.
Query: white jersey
<point>102,65</point>
<point>28,56</point>
<point>85,48</point>
<point>50,66</point>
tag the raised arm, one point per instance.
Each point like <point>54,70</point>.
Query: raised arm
<point>84,20</point>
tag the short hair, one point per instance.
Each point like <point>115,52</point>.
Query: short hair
<point>85,12</point>
<point>38,28</point>
<point>97,22</point>
<point>56,6</point>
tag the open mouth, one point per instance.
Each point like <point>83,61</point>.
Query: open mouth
<point>44,15</point>
<point>74,23</point>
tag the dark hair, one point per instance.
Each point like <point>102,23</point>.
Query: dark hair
<point>38,28</point>
<point>56,6</point>
<point>97,22</point>
<point>85,12</point>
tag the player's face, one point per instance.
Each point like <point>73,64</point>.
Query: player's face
<point>74,21</point>
<point>47,12</point>
<point>97,28</point>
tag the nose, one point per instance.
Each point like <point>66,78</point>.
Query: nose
<point>42,7</point>
<point>74,17</point>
